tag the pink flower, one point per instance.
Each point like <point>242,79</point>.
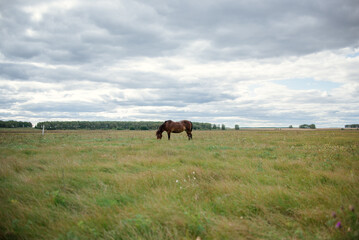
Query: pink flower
<point>338,225</point>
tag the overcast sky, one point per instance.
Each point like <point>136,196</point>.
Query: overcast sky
<point>252,63</point>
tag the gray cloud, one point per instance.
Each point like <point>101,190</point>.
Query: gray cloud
<point>13,71</point>
<point>234,29</point>
<point>64,107</point>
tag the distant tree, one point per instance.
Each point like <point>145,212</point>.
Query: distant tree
<point>352,126</point>
<point>307,126</point>
<point>223,127</point>
<point>214,127</point>
<point>236,127</point>
<point>201,126</point>
<point>290,126</point>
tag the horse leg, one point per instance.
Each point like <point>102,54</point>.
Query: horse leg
<point>169,135</point>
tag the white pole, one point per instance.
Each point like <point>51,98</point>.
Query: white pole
<point>43,130</point>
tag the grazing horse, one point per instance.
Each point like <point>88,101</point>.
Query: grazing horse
<point>175,127</point>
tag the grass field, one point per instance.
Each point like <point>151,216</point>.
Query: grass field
<point>221,185</point>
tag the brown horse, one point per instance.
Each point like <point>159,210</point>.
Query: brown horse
<point>175,127</point>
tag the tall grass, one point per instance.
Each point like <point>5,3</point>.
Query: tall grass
<point>221,185</point>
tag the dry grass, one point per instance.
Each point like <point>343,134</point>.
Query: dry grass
<point>221,185</point>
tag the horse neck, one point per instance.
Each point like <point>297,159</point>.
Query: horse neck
<point>161,128</point>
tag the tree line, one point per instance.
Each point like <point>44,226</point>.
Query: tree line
<point>15,124</point>
<point>352,126</point>
<point>103,125</point>
<point>122,125</point>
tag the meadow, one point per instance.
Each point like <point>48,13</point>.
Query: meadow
<point>222,185</point>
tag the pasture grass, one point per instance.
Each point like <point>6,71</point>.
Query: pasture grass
<point>221,185</point>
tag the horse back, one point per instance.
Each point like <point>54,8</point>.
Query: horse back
<point>177,127</point>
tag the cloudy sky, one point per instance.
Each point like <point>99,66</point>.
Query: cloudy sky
<point>252,63</point>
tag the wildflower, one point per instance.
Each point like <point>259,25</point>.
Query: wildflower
<point>338,225</point>
<point>194,178</point>
<point>176,180</point>
<point>193,172</point>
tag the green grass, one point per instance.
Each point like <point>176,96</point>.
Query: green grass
<point>221,185</point>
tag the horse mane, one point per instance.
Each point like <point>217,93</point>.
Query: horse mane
<point>164,124</point>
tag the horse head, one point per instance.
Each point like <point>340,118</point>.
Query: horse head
<point>159,134</point>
